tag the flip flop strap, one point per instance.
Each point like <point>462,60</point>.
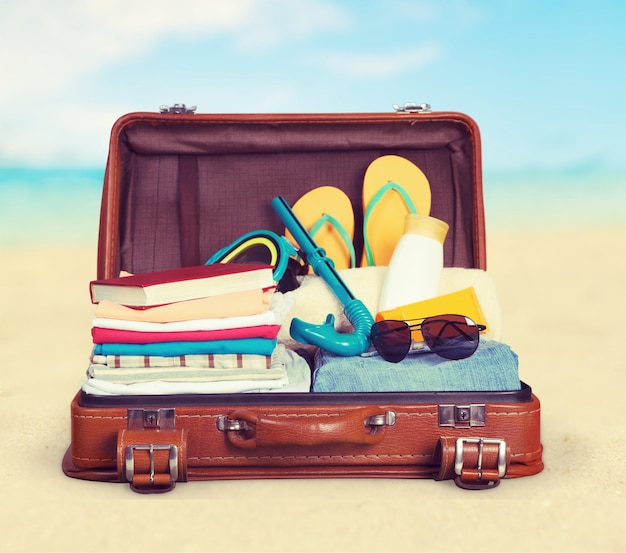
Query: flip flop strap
<point>341,231</point>
<point>373,202</point>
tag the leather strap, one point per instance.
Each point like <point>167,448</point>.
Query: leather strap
<point>152,461</point>
<point>474,463</point>
<point>247,430</point>
<point>188,212</point>
<point>373,203</point>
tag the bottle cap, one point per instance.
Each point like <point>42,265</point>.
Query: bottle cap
<point>430,227</point>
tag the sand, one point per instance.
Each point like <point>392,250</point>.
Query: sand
<point>563,296</point>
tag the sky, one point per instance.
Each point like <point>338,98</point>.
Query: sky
<point>544,79</point>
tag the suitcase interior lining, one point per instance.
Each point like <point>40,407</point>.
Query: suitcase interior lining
<point>188,189</point>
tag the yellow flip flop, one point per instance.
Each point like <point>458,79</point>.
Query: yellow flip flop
<point>326,213</point>
<point>392,187</point>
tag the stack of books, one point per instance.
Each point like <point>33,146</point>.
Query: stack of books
<point>201,329</point>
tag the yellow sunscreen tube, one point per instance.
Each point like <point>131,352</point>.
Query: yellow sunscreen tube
<point>464,302</point>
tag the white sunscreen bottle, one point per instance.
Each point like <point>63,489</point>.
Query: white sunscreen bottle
<point>415,267</point>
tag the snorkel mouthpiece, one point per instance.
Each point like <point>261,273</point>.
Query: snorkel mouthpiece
<point>324,335</point>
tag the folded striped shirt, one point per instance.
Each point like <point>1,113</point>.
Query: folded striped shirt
<point>207,360</point>
<point>298,379</point>
<point>275,370</point>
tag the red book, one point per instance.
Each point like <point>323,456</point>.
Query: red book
<point>186,283</point>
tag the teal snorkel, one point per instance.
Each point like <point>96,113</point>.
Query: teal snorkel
<point>324,335</point>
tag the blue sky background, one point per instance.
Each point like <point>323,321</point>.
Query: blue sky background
<point>544,79</point>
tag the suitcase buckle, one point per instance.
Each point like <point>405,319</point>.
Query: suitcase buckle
<point>459,459</point>
<point>151,448</point>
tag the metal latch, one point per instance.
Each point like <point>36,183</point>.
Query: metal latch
<point>177,108</point>
<point>155,419</point>
<point>412,107</point>
<point>224,424</point>
<point>386,419</point>
<point>462,416</point>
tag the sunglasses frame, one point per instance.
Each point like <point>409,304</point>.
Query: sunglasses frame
<point>425,320</point>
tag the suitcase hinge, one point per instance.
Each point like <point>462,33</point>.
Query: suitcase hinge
<point>462,416</point>
<point>177,108</point>
<point>412,107</point>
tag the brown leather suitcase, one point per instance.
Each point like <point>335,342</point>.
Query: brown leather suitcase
<point>179,186</point>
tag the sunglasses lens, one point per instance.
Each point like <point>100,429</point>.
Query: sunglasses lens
<point>392,340</point>
<point>289,281</point>
<point>451,336</point>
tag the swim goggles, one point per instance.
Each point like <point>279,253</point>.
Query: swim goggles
<point>449,336</point>
<point>267,247</point>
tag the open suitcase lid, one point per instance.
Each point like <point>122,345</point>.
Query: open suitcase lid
<point>180,185</point>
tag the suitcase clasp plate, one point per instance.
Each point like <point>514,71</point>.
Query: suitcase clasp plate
<point>462,416</point>
<point>157,419</point>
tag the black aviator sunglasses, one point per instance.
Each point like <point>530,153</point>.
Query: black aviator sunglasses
<point>449,336</point>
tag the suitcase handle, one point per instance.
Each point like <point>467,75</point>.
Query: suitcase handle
<point>247,430</point>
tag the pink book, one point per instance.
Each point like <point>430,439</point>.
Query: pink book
<point>186,283</point>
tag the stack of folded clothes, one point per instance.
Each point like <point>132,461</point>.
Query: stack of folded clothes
<point>224,343</point>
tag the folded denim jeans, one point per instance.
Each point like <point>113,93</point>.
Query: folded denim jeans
<point>493,367</point>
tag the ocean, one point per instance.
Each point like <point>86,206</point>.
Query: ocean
<point>551,200</point>
<point>49,207</point>
<point>61,207</point>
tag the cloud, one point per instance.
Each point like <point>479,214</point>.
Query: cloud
<point>57,51</point>
<point>279,21</point>
<point>450,13</point>
<point>54,102</point>
<point>381,65</point>
<point>54,43</point>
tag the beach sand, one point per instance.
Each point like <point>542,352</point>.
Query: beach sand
<point>563,297</point>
